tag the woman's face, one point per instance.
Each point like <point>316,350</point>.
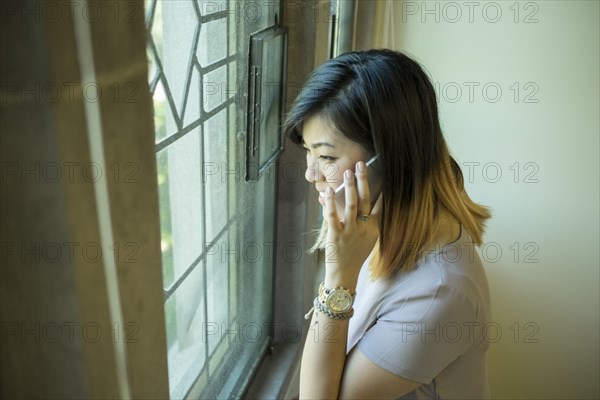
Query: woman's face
<point>328,155</point>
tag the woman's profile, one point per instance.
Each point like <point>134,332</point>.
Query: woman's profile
<point>404,303</point>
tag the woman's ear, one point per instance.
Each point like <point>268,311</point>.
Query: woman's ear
<point>377,207</point>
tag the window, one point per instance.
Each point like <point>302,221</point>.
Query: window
<point>217,230</point>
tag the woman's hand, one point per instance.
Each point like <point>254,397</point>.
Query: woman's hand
<point>350,239</point>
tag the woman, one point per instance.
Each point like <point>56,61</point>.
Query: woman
<point>404,304</point>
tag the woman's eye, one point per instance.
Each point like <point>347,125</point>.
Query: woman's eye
<point>327,158</point>
<point>322,157</point>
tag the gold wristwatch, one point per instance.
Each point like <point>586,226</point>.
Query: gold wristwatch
<point>339,300</point>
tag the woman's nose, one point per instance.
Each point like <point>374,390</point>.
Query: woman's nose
<point>313,173</point>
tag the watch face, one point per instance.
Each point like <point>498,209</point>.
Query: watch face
<point>339,301</point>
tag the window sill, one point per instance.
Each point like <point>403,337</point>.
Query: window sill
<point>277,374</point>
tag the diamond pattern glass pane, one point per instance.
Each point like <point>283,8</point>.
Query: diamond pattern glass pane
<point>215,88</point>
<point>180,174</point>
<point>185,312</point>
<point>174,51</point>
<point>213,43</point>
<point>164,123</point>
<point>216,174</point>
<point>192,107</point>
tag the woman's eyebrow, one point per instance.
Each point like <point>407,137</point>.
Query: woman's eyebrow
<point>318,144</point>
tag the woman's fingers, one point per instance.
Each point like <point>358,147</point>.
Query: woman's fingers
<point>356,196</point>
<point>351,198</point>
<point>364,202</point>
<point>330,213</point>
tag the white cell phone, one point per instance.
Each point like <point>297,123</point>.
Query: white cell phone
<point>374,180</point>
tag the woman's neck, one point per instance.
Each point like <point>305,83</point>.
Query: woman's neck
<point>448,232</point>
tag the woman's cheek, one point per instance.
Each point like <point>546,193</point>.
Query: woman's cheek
<point>331,173</point>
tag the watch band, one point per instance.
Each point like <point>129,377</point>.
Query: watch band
<point>322,289</point>
<point>320,307</point>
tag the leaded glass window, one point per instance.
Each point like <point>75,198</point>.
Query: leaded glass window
<point>217,230</point>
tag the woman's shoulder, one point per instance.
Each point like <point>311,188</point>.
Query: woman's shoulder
<point>455,270</point>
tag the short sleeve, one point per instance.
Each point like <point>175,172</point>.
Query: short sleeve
<point>418,335</point>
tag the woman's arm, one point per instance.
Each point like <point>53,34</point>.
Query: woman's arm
<point>349,242</point>
<point>326,372</point>
<point>363,379</point>
<point>324,358</point>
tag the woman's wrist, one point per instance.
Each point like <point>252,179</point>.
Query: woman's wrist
<point>337,279</point>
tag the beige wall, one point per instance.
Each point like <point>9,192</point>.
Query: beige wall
<point>547,310</point>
